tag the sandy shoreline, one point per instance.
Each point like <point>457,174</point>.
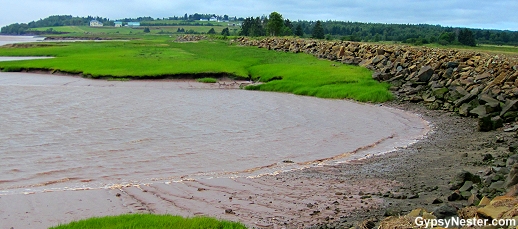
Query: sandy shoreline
<point>337,195</point>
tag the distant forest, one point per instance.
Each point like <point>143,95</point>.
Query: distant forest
<point>352,31</point>
<point>56,20</point>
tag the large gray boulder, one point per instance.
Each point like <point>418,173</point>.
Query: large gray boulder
<point>479,111</point>
<point>510,105</point>
<point>378,59</point>
<point>461,177</point>
<point>487,99</point>
<point>425,74</point>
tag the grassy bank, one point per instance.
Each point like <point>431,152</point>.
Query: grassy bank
<point>113,31</point>
<point>207,80</point>
<point>158,57</point>
<point>143,221</point>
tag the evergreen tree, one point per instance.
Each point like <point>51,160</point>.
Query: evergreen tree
<point>146,30</point>
<point>298,31</point>
<point>252,27</point>
<point>211,31</point>
<point>225,32</point>
<point>318,31</point>
<point>288,28</point>
<point>257,28</point>
<point>466,37</point>
<point>245,27</point>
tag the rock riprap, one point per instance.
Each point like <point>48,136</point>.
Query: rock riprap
<point>470,83</point>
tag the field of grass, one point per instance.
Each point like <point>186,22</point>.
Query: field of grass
<point>182,22</point>
<point>491,49</point>
<point>159,57</point>
<point>151,222</point>
<point>107,30</point>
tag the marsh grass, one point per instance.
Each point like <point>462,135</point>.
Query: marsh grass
<point>207,80</point>
<point>148,221</point>
<point>490,49</point>
<point>12,69</point>
<point>110,30</point>
<point>156,57</point>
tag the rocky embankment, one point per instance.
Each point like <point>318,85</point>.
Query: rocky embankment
<point>475,174</point>
<point>469,83</point>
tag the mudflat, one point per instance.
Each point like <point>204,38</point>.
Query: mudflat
<point>331,195</point>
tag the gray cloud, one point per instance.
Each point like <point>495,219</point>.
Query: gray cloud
<point>495,14</point>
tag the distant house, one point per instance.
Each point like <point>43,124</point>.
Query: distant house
<point>213,18</point>
<point>118,24</point>
<point>95,23</point>
<point>133,24</point>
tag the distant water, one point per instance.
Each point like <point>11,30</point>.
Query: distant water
<point>18,39</point>
<point>60,132</point>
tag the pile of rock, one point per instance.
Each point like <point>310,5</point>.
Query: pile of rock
<point>470,83</point>
<point>190,38</point>
<point>503,209</point>
<point>501,177</point>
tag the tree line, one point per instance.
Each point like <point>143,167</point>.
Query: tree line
<point>55,20</point>
<point>356,31</point>
<point>276,25</point>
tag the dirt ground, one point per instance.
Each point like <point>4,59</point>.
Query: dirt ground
<point>420,173</point>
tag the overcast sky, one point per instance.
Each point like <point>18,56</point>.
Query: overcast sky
<point>487,14</point>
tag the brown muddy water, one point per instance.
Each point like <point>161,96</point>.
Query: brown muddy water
<point>61,132</point>
<point>70,133</point>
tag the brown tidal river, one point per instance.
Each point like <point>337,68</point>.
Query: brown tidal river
<point>61,132</point>
<point>68,133</point>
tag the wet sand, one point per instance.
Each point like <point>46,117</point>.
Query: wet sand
<point>335,194</point>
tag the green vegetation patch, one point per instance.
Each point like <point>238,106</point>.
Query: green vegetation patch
<point>65,31</point>
<point>207,80</point>
<point>154,57</point>
<point>148,221</point>
<point>491,49</point>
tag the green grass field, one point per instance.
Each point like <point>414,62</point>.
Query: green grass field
<point>178,22</point>
<point>491,49</point>
<point>110,30</point>
<point>159,57</point>
<point>148,221</point>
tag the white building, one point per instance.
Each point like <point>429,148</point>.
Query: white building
<point>95,23</point>
<point>133,24</point>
